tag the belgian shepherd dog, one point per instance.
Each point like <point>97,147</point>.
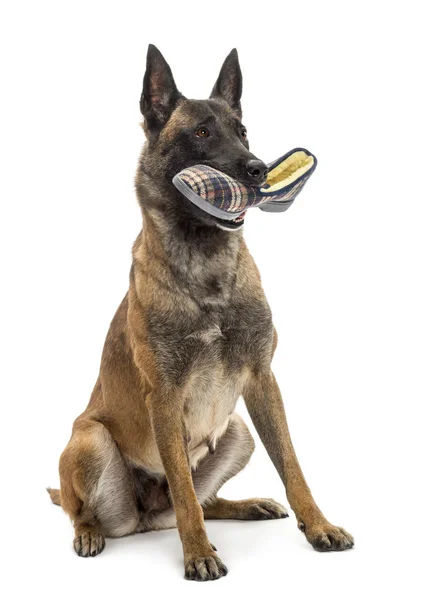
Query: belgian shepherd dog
<point>194,332</point>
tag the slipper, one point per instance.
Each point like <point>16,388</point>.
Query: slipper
<point>222,196</point>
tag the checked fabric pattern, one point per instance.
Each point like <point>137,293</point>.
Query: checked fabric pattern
<point>225,193</point>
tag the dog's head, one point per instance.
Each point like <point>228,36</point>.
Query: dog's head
<point>181,132</point>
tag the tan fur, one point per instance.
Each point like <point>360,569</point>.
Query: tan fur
<point>55,496</point>
<point>194,332</point>
<point>128,404</point>
<point>131,409</point>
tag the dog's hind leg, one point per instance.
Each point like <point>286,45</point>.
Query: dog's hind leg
<point>231,455</point>
<point>252,509</point>
<point>96,489</point>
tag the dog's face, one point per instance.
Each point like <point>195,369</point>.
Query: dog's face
<point>183,132</point>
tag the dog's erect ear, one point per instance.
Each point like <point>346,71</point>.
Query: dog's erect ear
<point>229,83</point>
<point>160,95</point>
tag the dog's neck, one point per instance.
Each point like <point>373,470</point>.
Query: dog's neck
<point>202,260</point>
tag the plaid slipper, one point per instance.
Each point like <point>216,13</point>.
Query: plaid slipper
<point>221,196</point>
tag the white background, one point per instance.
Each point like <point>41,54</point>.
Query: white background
<point>343,271</point>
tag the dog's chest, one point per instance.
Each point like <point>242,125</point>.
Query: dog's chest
<point>209,351</point>
<point>227,338</point>
<point>222,354</point>
<point>210,400</point>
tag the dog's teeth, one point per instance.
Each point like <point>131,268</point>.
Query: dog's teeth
<point>240,218</point>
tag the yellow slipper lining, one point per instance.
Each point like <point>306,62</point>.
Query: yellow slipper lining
<point>288,171</point>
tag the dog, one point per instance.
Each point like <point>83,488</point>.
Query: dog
<point>194,332</point>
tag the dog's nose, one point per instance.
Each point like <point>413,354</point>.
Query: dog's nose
<point>257,170</point>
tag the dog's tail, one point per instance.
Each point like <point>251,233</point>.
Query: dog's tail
<point>55,496</point>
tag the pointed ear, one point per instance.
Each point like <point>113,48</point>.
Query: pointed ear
<point>228,86</point>
<point>160,95</point>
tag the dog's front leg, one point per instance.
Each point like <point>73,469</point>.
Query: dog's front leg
<point>166,414</point>
<point>265,406</point>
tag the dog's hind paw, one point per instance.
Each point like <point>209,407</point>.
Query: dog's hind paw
<point>89,543</point>
<point>265,508</point>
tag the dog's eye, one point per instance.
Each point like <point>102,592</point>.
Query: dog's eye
<point>244,133</point>
<point>203,132</point>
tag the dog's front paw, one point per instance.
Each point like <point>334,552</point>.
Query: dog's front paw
<point>205,569</point>
<point>325,537</point>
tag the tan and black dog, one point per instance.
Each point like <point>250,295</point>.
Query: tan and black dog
<point>194,332</point>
